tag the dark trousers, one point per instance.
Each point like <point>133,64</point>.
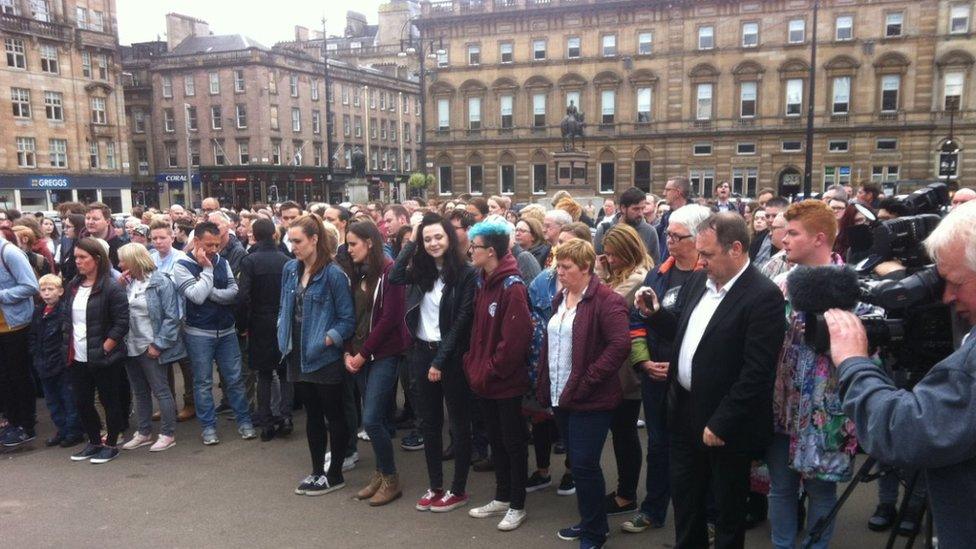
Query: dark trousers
<point>107,380</point>
<point>431,397</point>
<point>60,399</point>
<point>507,436</point>
<point>657,481</point>
<point>325,403</point>
<point>696,468</point>
<point>266,416</point>
<point>627,448</point>
<point>187,373</point>
<point>584,434</point>
<point>544,435</point>
<point>17,390</point>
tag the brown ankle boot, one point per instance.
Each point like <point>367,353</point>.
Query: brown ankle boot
<point>370,489</point>
<point>389,491</point>
<point>187,413</point>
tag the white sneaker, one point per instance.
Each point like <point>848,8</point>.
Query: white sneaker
<point>363,436</point>
<point>138,441</point>
<point>513,519</point>
<point>641,423</point>
<point>348,464</point>
<point>163,443</point>
<point>494,508</point>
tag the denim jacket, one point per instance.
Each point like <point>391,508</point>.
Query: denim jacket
<point>18,286</point>
<point>164,314</point>
<point>327,311</point>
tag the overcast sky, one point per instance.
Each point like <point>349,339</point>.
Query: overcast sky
<point>142,21</point>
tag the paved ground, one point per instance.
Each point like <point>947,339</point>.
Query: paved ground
<point>239,494</point>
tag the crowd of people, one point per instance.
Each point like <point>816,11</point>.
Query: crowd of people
<point>549,326</point>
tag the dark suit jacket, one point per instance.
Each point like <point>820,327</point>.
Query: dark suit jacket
<point>735,364</point>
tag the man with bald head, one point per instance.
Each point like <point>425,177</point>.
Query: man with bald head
<point>177,212</point>
<point>962,196</point>
<point>230,247</point>
<point>210,204</point>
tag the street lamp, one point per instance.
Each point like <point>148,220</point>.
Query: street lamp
<point>416,46</point>
<point>189,162</point>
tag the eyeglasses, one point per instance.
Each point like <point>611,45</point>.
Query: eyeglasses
<point>674,237</point>
<point>475,246</point>
<point>521,230</point>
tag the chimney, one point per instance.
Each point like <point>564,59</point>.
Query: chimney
<point>180,27</point>
<point>301,33</point>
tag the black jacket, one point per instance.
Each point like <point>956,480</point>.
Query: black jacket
<point>234,253</point>
<point>259,298</point>
<point>46,341</point>
<point>107,318</point>
<point>457,306</point>
<point>735,364</point>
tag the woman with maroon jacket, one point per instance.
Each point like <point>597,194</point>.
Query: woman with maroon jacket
<point>496,365</point>
<point>379,339</point>
<point>586,342</point>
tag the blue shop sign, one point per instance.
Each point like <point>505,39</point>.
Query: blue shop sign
<point>61,181</point>
<point>176,181</point>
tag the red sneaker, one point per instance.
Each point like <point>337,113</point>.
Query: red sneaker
<point>449,502</point>
<point>424,503</point>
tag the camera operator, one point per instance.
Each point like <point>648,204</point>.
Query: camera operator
<point>932,427</point>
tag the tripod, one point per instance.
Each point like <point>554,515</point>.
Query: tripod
<point>865,474</point>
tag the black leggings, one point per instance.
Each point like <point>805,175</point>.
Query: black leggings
<point>627,448</point>
<point>324,402</point>
<point>107,380</point>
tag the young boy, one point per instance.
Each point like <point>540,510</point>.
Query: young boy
<point>50,365</point>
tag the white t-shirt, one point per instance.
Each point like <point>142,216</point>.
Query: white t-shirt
<point>79,324</point>
<point>430,307</point>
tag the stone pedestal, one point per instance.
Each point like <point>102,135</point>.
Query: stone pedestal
<point>571,169</point>
<point>357,190</point>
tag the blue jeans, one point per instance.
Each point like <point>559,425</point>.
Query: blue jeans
<point>658,481</point>
<point>784,497</point>
<point>60,399</point>
<point>584,434</point>
<point>381,377</point>
<point>203,351</point>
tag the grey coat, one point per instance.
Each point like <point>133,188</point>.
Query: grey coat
<point>164,315</point>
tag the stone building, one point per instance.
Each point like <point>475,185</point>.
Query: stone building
<point>255,120</point>
<point>62,124</point>
<point>712,90</point>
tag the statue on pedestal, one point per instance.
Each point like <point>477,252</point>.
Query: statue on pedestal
<point>358,159</point>
<point>572,127</point>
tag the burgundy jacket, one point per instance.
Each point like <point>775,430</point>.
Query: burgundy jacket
<point>497,362</point>
<point>601,343</point>
<point>388,335</point>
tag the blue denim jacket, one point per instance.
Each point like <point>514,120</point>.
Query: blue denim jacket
<point>327,311</point>
<point>164,314</point>
<point>18,286</point>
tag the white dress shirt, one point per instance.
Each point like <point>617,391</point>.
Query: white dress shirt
<point>697,323</point>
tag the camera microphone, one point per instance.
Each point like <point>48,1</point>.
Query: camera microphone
<point>816,289</point>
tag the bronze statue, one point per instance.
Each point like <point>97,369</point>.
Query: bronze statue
<point>572,127</point>
<point>358,158</point>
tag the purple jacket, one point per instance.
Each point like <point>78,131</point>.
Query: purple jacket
<point>601,343</point>
<point>388,335</point>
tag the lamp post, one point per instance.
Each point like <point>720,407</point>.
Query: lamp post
<point>189,158</point>
<point>329,116</point>
<point>808,160</point>
<point>412,46</point>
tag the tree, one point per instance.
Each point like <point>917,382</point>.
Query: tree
<point>418,182</point>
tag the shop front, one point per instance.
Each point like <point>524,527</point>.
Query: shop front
<point>171,187</point>
<point>37,192</point>
<point>241,188</point>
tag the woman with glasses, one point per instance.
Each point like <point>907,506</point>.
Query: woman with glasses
<point>530,237</point>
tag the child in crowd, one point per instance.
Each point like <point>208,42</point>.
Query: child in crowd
<point>50,365</point>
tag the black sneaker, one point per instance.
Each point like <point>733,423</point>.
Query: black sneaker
<point>105,455</point>
<point>71,441</point>
<point>90,451</point>
<point>223,409</point>
<point>268,432</point>
<point>883,517</point>
<point>318,485</point>
<point>412,442</point>
<point>54,441</point>
<point>287,426</point>
<point>912,519</point>
<point>16,437</point>
<point>569,534</point>
<point>567,486</point>
<point>538,482</point>
<point>482,465</point>
<point>613,508</point>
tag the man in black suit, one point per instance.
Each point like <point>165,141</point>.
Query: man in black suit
<point>727,329</point>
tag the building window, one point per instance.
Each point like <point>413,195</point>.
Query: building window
<point>344,92</point>
<point>702,181</point>
<point>893,24</point>
<point>214,79</point>
<point>40,11</point>
<point>102,66</point>
<point>373,129</point>
<point>407,161</point>
<point>168,120</point>
<point>880,174</point>
<point>747,99</point>
<point>836,175</point>
<point>706,37</point>
<point>58,149</point>
<point>358,126</point>
<point>539,50</point>
<point>293,85</point>
<point>838,145</point>
<point>701,149</point>
<point>890,83</point>
<point>745,148</point>
<point>26,152</point>
<point>296,119</point>
<point>886,144</point>
<point>959,19</point>
<point>505,110</point>
<point>476,179</point>
<point>8,7</point>
<point>406,132</point>
<point>372,99</point>
<point>98,110</point>
<point>189,88</point>
<point>750,35</point>
<point>138,118</point>
<point>218,152</point>
<point>238,81</point>
<point>797,32</point>
<point>94,160</point>
<point>166,80</point>
<point>745,179</point>
<point>844,27</point>
<point>81,17</point>
<point>443,114</point>
<point>216,122</point>
<point>97,21</point>
<point>316,122</point>
<point>474,113</point>
<point>383,131</point>
<point>504,52</point>
<point>794,96</point>
<point>244,153</point>
<point>273,82</point>
<point>49,59</point>
<point>607,176</point>
<point>539,110</point>
<point>110,155</point>
<point>948,163</point>
<point>703,109</point>
<point>442,59</point>
<point>952,90</point>
<point>643,105</point>
<point>20,99</point>
<point>609,45</point>
<point>191,118</point>
<point>645,43</point>
<point>16,57</point>
<point>276,153</point>
<point>842,95</point>
<point>315,89</point>
<point>506,177</point>
<point>572,48</point>
<point>474,54</point>
<point>573,99</point>
<point>393,131</point>
<point>791,146</point>
<point>273,117</point>
<point>240,115</point>
<point>539,173</point>
<point>346,125</point>
<point>608,99</point>
<point>444,183</point>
